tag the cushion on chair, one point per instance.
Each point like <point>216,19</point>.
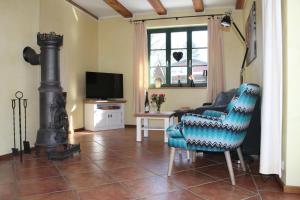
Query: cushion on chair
<point>193,147</point>
<point>224,98</point>
<point>177,143</point>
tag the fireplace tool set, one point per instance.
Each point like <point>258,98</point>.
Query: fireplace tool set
<point>19,99</point>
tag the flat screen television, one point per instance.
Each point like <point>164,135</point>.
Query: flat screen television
<point>101,85</point>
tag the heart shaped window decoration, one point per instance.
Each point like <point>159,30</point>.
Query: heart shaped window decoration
<point>177,56</point>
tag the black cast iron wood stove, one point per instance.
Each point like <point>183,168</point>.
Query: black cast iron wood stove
<point>53,132</point>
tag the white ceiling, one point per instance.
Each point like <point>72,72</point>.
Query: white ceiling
<point>101,9</point>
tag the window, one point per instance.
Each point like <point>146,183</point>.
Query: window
<point>177,53</point>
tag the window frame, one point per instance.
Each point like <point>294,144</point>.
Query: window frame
<point>168,49</point>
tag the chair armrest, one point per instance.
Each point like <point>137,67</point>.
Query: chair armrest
<point>174,131</point>
<point>214,113</point>
<point>180,113</point>
<point>200,110</point>
<point>190,117</point>
<point>207,104</point>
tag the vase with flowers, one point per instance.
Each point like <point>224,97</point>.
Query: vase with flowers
<point>158,99</point>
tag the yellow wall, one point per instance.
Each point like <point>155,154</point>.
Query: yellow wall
<point>19,25</point>
<point>291,111</point>
<point>254,72</point>
<point>116,55</point>
<point>78,54</point>
<point>20,21</point>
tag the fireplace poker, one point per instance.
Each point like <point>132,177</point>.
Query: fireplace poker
<point>14,149</point>
<point>19,96</point>
<point>26,143</point>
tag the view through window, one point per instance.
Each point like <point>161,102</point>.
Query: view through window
<point>178,55</point>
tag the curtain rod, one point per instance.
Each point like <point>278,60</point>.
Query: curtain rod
<point>162,18</point>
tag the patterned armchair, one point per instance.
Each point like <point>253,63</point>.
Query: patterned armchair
<point>216,131</point>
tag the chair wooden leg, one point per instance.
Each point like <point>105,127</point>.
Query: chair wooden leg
<point>172,155</point>
<point>241,158</point>
<point>180,151</point>
<point>194,156</point>
<point>229,165</point>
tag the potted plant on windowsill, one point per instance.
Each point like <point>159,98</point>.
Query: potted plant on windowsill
<point>158,99</point>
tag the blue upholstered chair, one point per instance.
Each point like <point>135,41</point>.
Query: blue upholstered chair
<point>216,131</point>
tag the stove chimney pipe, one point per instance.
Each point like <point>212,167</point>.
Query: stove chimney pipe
<point>31,56</point>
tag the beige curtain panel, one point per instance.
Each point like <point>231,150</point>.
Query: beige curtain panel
<point>215,83</point>
<point>140,66</point>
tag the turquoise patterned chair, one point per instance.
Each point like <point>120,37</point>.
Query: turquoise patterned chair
<point>216,131</point>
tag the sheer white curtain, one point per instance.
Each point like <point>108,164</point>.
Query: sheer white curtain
<point>140,66</point>
<point>271,122</point>
<point>215,59</point>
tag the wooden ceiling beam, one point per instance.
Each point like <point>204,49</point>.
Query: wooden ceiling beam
<point>83,9</point>
<point>198,5</point>
<point>117,6</point>
<point>239,4</point>
<point>158,7</point>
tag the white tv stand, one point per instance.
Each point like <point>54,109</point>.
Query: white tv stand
<point>103,114</point>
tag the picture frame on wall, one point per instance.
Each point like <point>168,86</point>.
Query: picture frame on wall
<point>251,39</point>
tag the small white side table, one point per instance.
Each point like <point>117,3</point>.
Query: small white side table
<point>142,123</point>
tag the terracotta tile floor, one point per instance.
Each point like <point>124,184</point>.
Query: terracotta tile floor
<point>113,166</point>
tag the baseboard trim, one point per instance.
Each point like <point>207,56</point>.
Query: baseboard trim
<point>83,129</point>
<point>5,157</point>
<point>79,129</point>
<point>287,188</point>
<point>9,156</point>
<point>291,189</point>
<point>130,126</point>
